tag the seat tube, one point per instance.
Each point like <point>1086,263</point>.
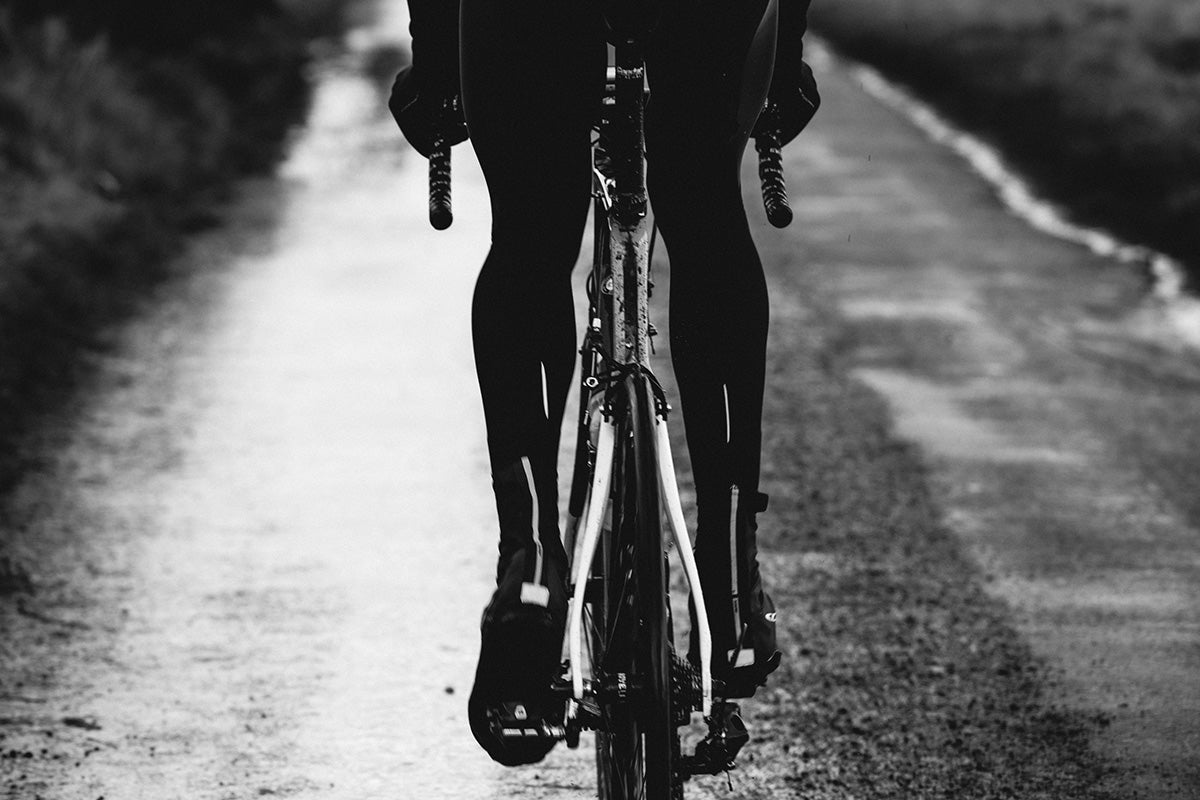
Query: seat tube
<point>628,225</point>
<point>629,133</point>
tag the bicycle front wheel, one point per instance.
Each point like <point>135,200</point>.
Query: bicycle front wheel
<point>637,748</point>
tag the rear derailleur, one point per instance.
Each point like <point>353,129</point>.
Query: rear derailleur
<point>717,752</point>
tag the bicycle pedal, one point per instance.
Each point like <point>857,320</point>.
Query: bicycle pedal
<point>518,721</point>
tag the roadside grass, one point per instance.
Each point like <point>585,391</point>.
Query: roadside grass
<point>1097,100</point>
<point>112,146</point>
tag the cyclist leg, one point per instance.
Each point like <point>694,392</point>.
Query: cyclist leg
<point>697,131</point>
<point>531,75</point>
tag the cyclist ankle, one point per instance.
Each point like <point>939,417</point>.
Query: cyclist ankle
<point>740,613</point>
<point>526,492</point>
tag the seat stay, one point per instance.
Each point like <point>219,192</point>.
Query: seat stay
<point>683,545</point>
<point>586,550</point>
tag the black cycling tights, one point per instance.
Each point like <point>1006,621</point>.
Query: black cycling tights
<point>532,74</point>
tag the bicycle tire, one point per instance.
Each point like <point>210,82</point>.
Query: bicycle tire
<point>638,746</point>
<point>620,767</point>
<point>660,734</point>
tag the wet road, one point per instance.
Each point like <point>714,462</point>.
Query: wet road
<point>263,542</point>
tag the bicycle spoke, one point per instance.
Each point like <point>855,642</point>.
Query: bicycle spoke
<point>615,626</point>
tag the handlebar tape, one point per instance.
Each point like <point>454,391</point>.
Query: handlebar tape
<point>770,172</point>
<point>441,213</point>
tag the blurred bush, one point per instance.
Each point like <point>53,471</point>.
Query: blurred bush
<point>153,26</point>
<point>122,124</point>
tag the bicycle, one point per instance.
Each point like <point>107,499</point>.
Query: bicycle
<point>622,678</point>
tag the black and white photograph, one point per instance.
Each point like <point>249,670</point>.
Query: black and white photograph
<point>618,399</point>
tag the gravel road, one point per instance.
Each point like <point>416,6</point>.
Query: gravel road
<point>249,560</point>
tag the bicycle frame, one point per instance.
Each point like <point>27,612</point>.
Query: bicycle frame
<point>625,337</point>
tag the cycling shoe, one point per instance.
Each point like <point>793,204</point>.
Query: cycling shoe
<point>521,645</point>
<point>744,668</point>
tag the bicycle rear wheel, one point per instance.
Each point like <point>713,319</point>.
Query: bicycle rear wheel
<point>638,746</point>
